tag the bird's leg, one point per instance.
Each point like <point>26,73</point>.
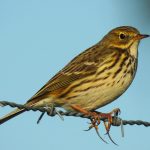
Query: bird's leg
<point>95,119</point>
<point>96,116</point>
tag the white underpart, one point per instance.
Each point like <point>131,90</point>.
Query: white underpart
<point>134,49</point>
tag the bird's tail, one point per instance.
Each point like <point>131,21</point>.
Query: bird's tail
<point>11,115</point>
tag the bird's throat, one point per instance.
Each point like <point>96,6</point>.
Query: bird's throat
<point>133,50</point>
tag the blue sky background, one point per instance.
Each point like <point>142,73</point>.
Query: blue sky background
<point>37,38</point>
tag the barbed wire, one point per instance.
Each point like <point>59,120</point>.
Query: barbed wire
<point>115,122</point>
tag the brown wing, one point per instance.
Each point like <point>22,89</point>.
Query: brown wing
<point>81,66</point>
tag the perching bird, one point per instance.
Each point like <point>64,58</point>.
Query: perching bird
<point>94,78</point>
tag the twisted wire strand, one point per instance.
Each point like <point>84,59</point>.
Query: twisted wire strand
<point>116,120</point>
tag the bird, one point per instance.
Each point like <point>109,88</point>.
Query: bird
<point>94,78</point>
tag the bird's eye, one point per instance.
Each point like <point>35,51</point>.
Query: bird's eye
<point>122,36</point>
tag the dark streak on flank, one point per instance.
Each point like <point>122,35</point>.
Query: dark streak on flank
<point>132,71</point>
<point>122,83</point>
<point>113,83</point>
<point>108,84</point>
<point>71,88</point>
<point>91,87</point>
<point>71,97</point>
<point>82,82</point>
<point>125,71</point>
<point>102,78</point>
<point>117,72</point>
<point>118,81</point>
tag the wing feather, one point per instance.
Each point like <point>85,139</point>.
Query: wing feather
<point>81,66</point>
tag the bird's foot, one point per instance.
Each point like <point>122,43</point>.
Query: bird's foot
<point>108,118</point>
<point>96,118</point>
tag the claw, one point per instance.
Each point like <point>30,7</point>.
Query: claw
<point>87,129</point>
<point>107,127</point>
<point>90,127</point>
<point>96,129</point>
<point>111,139</point>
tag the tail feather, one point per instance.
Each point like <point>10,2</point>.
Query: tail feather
<point>11,115</point>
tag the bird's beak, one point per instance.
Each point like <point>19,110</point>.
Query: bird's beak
<point>141,36</point>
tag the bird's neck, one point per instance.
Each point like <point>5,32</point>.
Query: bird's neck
<point>133,49</point>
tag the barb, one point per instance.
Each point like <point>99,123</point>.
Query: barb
<point>115,122</point>
<point>41,116</point>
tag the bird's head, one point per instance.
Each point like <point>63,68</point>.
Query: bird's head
<point>125,37</point>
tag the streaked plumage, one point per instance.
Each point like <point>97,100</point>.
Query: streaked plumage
<point>95,77</point>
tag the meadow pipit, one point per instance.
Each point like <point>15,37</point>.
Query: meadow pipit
<point>94,78</point>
